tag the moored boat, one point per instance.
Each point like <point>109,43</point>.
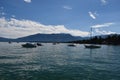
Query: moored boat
<point>29,45</point>
<point>72,45</point>
<point>9,42</point>
<point>39,44</point>
<point>92,46</point>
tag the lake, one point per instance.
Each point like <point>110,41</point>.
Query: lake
<point>59,62</point>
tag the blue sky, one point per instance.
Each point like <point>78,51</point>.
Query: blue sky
<point>68,16</point>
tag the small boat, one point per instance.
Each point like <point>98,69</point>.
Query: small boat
<point>39,44</point>
<point>72,45</point>
<point>92,46</point>
<point>9,42</point>
<point>17,42</point>
<point>54,43</point>
<point>29,45</point>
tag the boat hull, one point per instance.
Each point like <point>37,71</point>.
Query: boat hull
<point>92,46</point>
<point>29,45</point>
<point>72,45</point>
<point>39,44</point>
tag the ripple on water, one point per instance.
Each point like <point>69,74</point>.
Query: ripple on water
<point>59,62</point>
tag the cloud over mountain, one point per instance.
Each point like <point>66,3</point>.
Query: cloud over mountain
<point>103,32</point>
<point>102,25</point>
<point>13,28</point>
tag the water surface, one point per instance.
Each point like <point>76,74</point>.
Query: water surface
<point>59,62</point>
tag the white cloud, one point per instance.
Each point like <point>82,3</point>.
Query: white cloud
<point>98,28</point>
<point>103,32</point>
<point>2,13</point>
<point>14,28</point>
<point>13,16</point>
<point>103,1</point>
<point>102,25</point>
<point>67,7</point>
<point>28,1</point>
<point>92,15</point>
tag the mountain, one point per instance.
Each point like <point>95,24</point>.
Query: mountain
<point>43,38</point>
<point>4,39</point>
<point>48,38</point>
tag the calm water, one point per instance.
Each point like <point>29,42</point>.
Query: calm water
<point>59,62</point>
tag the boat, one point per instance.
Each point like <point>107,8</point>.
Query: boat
<point>92,45</point>
<point>9,42</point>
<point>72,45</point>
<point>29,45</point>
<point>39,44</point>
<point>54,43</point>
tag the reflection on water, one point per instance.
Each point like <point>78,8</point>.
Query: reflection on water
<point>51,62</point>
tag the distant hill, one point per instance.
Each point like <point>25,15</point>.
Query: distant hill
<point>44,38</point>
<point>49,38</point>
<point>4,39</point>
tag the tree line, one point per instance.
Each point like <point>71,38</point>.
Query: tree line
<point>113,39</point>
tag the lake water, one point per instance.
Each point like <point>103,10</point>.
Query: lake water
<point>59,62</point>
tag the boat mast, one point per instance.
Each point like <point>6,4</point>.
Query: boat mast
<point>91,33</point>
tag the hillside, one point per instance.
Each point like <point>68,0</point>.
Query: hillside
<point>45,38</point>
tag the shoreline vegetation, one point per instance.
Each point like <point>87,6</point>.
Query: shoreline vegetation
<point>113,39</point>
